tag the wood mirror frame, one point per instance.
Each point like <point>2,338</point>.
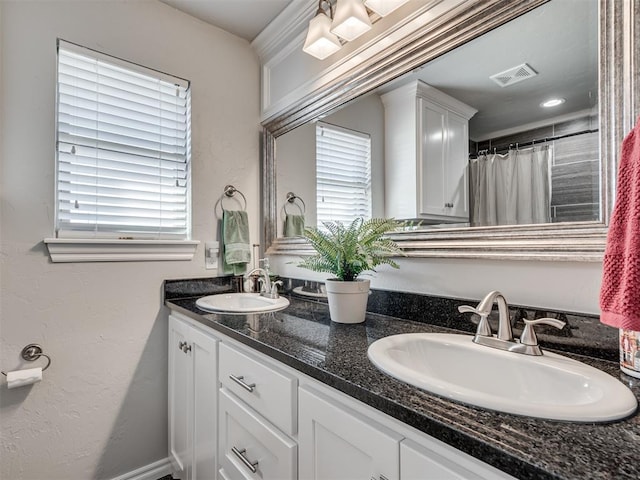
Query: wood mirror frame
<point>619,104</point>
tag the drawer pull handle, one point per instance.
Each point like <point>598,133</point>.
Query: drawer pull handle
<point>240,381</point>
<point>245,460</point>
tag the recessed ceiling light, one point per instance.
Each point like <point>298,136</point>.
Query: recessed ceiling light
<point>554,102</point>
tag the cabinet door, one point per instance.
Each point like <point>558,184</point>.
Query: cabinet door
<point>337,443</point>
<point>179,380</point>
<point>456,168</point>
<point>192,401</point>
<point>444,178</point>
<point>431,162</point>
<point>433,460</point>
<point>203,397</point>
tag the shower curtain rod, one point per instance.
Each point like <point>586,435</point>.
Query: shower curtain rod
<point>533,142</point>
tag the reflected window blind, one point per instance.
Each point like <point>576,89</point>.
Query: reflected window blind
<point>123,149</point>
<point>343,169</point>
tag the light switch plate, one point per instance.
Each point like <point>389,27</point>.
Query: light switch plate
<point>211,250</point>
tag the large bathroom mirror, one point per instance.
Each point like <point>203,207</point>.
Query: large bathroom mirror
<point>508,58</point>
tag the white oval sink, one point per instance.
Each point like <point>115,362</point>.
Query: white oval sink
<point>549,386</point>
<point>241,303</point>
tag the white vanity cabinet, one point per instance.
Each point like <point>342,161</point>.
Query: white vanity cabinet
<point>338,443</point>
<point>274,422</point>
<point>193,388</point>
<point>426,154</point>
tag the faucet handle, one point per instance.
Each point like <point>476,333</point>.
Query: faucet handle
<point>484,329</point>
<point>529,337</point>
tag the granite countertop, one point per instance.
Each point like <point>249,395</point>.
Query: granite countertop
<point>303,337</point>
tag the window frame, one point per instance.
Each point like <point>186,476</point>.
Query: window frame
<point>368,188</point>
<point>117,246</point>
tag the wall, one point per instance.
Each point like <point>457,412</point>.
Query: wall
<point>101,408</point>
<point>568,286</point>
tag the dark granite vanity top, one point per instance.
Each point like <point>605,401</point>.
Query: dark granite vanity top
<point>303,337</point>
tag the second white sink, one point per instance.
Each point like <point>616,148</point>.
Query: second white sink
<point>550,386</point>
<point>241,303</point>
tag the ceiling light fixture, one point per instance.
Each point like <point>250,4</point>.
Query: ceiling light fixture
<point>320,42</point>
<point>384,7</point>
<point>350,20</point>
<point>347,19</point>
<point>553,102</point>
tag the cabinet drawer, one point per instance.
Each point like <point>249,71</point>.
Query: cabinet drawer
<point>248,442</point>
<point>268,390</point>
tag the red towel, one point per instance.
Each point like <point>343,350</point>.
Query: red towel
<point>620,291</point>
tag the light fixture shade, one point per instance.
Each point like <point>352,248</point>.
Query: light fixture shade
<point>350,20</point>
<point>320,42</point>
<point>384,7</point>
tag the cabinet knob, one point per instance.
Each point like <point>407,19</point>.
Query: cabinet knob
<point>240,381</point>
<point>448,205</point>
<point>248,463</point>
<point>181,345</point>
<point>186,348</point>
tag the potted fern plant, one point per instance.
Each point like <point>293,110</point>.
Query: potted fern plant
<point>346,251</point>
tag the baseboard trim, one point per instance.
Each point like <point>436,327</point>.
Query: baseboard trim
<point>153,471</point>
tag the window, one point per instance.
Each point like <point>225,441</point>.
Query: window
<point>122,149</point>
<point>343,171</point>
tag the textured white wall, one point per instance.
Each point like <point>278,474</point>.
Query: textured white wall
<point>101,409</point>
<point>570,286</point>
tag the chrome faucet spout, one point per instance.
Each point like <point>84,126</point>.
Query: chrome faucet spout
<point>505,332</point>
<point>264,276</point>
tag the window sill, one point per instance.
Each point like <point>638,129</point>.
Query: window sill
<point>65,250</point>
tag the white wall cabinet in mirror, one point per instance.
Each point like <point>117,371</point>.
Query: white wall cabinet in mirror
<point>594,70</point>
<point>426,154</point>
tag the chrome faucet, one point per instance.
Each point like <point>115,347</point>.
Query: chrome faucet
<point>267,289</point>
<point>528,343</point>
<point>265,282</point>
<point>484,310</point>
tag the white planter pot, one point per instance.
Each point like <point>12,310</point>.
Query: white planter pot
<point>347,300</point>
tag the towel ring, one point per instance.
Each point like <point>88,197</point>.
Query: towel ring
<point>229,192</point>
<point>31,353</point>
<point>291,198</point>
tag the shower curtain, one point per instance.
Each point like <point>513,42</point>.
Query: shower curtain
<point>510,189</point>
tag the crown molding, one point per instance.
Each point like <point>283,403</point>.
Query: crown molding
<point>289,23</point>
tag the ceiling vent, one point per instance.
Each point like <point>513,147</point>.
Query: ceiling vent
<point>514,75</point>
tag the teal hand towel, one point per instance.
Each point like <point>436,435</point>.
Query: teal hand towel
<point>235,239</point>
<point>293,225</point>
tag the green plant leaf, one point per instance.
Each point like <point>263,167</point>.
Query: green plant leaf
<point>347,251</point>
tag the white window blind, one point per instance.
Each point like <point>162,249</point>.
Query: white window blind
<point>343,170</point>
<point>123,149</point>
